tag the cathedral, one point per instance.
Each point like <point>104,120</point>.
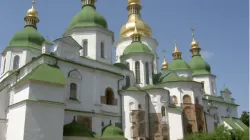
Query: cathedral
<point>70,89</point>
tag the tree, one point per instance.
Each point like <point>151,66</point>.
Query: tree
<point>220,133</point>
<point>245,118</point>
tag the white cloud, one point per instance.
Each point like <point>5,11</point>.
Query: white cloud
<point>207,55</point>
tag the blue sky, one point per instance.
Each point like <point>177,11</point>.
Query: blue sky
<point>221,28</point>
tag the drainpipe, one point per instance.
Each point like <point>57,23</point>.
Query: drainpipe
<point>118,91</point>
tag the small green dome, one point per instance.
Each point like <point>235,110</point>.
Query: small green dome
<point>137,47</point>
<point>76,129</point>
<point>178,64</point>
<point>199,66</point>
<point>27,37</point>
<point>111,132</point>
<point>173,77</point>
<point>88,17</point>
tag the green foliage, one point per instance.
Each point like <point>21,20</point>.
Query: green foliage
<point>245,118</point>
<point>220,133</point>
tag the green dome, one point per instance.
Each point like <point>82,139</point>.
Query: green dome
<point>173,77</point>
<point>76,129</point>
<point>111,132</point>
<point>88,17</point>
<point>27,37</point>
<point>178,64</point>
<point>199,66</point>
<point>137,47</point>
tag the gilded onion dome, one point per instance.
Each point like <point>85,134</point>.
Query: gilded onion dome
<point>127,29</point>
<point>164,64</point>
<point>178,63</point>
<point>198,65</point>
<point>28,36</point>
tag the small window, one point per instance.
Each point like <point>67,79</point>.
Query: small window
<point>186,99</point>
<point>16,62</point>
<point>127,81</point>
<point>197,100</point>
<point>85,47</point>
<point>128,66</point>
<point>73,91</point>
<point>163,111</point>
<point>109,96</point>
<point>33,58</point>
<point>139,106</point>
<point>175,100</point>
<point>102,50</point>
<point>102,124</point>
<point>137,72</point>
<point>147,73</point>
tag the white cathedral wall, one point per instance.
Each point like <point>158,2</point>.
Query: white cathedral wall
<point>19,94</point>
<point>158,99</point>
<point>95,37</point>
<point>142,59</point>
<point>209,83</point>
<point>4,100</point>
<point>209,122</point>
<point>131,100</point>
<point>121,45</point>
<point>185,73</point>
<point>175,124</point>
<point>46,92</point>
<point>15,125</point>
<point>44,121</point>
<point>180,89</point>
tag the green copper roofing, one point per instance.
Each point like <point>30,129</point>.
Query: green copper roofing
<point>178,64</point>
<point>199,66</point>
<point>76,129</point>
<point>121,65</point>
<point>173,77</point>
<point>46,73</point>
<point>88,17</point>
<point>27,37</point>
<point>235,123</point>
<point>137,47</point>
<point>218,99</point>
<point>132,88</point>
<point>112,132</point>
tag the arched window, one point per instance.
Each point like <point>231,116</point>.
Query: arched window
<point>175,100</point>
<point>73,91</point>
<point>85,47</point>
<point>4,63</point>
<point>127,81</point>
<point>102,50</point>
<point>147,73</point>
<point>128,66</point>
<point>139,106</point>
<point>137,72</point>
<point>197,100</point>
<point>163,111</point>
<point>16,62</point>
<point>186,99</point>
<point>109,96</point>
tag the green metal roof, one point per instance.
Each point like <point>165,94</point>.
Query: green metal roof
<point>111,131</point>
<point>235,123</point>
<point>88,17</point>
<point>137,47</point>
<point>218,99</point>
<point>132,88</point>
<point>178,64</point>
<point>199,66</point>
<point>121,65</point>
<point>27,37</point>
<point>46,73</point>
<point>173,77</point>
<point>76,129</point>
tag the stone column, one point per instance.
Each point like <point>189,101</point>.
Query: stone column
<point>142,72</point>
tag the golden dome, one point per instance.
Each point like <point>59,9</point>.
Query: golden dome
<point>128,29</point>
<point>175,48</point>
<point>32,11</point>
<point>164,63</point>
<point>194,44</point>
<point>130,2</point>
